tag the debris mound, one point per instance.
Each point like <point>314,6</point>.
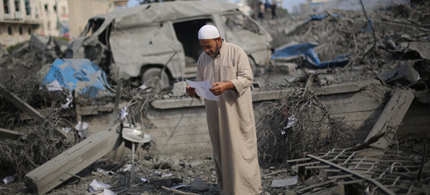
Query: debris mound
<point>299,124</point>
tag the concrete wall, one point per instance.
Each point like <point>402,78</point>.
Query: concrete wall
<point>180,126</point>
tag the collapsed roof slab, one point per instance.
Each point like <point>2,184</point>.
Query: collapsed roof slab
<point>64,166</point>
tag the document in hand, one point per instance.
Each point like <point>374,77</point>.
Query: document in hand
<point>202,89</point>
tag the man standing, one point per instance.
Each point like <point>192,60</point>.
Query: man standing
<point>231,119</point>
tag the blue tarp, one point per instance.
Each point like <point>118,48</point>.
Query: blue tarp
<point>321,16</point>
<point>81,75</point>
<point>306,50</point>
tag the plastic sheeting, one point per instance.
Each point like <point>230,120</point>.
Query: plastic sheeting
<point>306,51</point>
<point>79,75</point>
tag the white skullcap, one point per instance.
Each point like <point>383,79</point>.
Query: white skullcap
<point>208,32</point>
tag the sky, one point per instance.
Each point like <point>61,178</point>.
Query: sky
<point>286,4</point>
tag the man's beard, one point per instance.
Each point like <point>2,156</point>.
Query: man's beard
<point>217,51</point>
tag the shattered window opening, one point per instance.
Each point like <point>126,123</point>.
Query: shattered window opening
<point>6,6</point>
<point>92,26</point>
<point>9,30</point>
<point>239,21</point>
<point>20,30</point>
<point>27,7</point>
<point>17,6</point>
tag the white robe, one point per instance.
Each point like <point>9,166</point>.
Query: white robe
<point>231,121</point>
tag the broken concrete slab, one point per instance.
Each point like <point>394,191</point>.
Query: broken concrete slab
<point>199,185</point>
<point>421,48</point>
<point>64,166</point>
<point>405,75</point>
<point>391,118</point>
<point>179,89</point>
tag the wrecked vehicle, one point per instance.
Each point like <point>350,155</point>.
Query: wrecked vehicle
<point>143,40</point>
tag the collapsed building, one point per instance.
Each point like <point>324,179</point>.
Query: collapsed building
<point>356,124</point>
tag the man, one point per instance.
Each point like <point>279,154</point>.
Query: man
<point>231,119</point>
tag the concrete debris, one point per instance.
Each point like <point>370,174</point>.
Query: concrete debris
<point>284,182</point>
<point>405,75</point>
<point>178,89</point>
<point>199,185</point>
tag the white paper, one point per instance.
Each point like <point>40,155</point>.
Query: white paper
<point>99,185</point>
<point>202,89</point>
<point>69,101</point>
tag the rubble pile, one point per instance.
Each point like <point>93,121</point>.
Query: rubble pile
<point>28,58</point>
<point>372,43</point>
<point>390,46</point>
<point>299,124</point>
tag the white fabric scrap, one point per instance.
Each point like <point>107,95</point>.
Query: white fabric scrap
<point>108,192</point>
<point>123,112</point>
<point>67,129</point>
<point>96,185</point>
<point>291,122</point>
<point>8,179</point>
<point>85,126</point>
<point>69,100</point>
<point>166,175</point>
<point>81,130</point>
<point>125,168</point>
<point>143,87</point>
<point>54,86</point>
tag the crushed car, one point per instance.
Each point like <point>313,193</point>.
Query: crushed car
<point>157,42</point>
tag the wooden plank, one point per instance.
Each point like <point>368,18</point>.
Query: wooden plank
<point>21,104</point>
<point>9,134</point>
<point>70,162</point>
<point>391,117</point>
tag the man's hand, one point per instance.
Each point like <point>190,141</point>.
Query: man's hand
<point>219,87</point>
<point>190,91</point>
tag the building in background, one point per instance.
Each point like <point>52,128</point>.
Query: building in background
<point>120,4</point>
<point>18,20</point>
<point>21,18</point>
<point>54,16</point>
<point>82,10</point>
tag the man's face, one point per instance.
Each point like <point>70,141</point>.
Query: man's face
<point>211,46</point>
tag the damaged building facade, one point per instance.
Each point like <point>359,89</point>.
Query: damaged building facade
<point>18,20</point>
